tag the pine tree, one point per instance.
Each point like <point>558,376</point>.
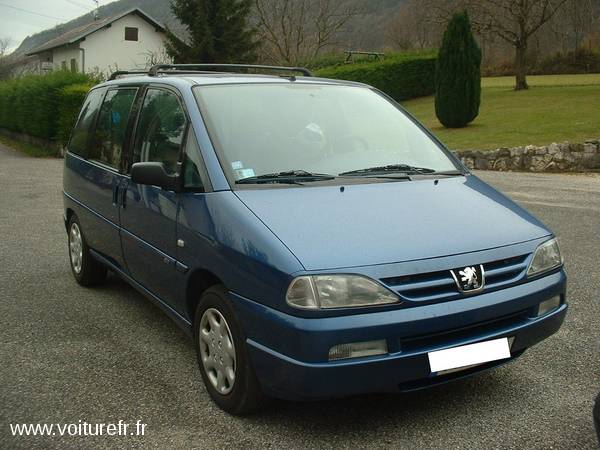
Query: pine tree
<point>219,32</point>
<point>458,75</point>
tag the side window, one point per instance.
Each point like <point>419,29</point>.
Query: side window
<point>111,126</point>
<point>161,129</point>
<point>192,163</point>
<point>80,137</point>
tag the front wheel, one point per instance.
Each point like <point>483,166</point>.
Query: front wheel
<point>86,270</point>
<point>222,356</point>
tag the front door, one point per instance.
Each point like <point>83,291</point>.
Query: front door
<point>149,213</point>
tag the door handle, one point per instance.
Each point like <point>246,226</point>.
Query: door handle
<point>115,195</point>
<point>123,196</point>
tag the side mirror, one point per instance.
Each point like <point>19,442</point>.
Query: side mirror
<point>154,174</point>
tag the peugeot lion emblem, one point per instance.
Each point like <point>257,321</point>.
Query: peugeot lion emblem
<point>470,279</point>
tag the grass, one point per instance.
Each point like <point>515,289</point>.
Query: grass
<point>556,108</point>
<point>27,148</point>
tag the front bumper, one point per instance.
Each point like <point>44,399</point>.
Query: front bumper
<point>290,354</point>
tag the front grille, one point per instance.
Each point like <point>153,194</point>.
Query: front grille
<point>446,337</point>
<point>440,286</point>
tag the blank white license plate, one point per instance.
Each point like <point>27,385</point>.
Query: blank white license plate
<point>469,355</point>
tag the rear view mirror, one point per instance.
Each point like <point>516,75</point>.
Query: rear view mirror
<point>154,174</point>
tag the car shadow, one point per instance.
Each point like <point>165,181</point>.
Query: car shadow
<point>435,404</point>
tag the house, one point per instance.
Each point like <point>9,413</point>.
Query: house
<point>130,40</point>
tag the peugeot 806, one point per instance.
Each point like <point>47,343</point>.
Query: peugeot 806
<point>311,236</point>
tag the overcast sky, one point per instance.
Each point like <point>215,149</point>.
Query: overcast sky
<point>20,18</point>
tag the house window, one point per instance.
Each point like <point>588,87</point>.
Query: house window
<point>73,65</point>
<point>131,34</point>
<point>63,65</point>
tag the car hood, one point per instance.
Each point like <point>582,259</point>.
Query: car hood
<point>327,227</point>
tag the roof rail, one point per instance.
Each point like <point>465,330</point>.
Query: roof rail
<point>120,73</point>
<point>155,70</point>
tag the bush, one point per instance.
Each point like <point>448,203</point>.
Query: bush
<point>458,75</point>
<point>327,60</point>
<point>71,99</point>
<point>579,61</point>
<point>401,76</point>
<point>582,60</point>
<point>31,104</point>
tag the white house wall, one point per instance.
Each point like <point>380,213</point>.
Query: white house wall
<point>65,54</point>
<point>106,50</point>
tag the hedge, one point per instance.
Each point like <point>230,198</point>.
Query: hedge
<point>71,99</point>
<point>400,76</point>
<point>40,105</point>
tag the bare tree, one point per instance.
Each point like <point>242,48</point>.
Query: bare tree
<point>415,26</point>
<point>5,43</point>
<point>514,21</point>
<point>570,29</point>
<point>154,57</point>
<point>297,31</point>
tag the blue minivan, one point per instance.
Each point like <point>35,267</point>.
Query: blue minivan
<point>310,235</point>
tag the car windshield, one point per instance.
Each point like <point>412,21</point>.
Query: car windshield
<point>260,129</point>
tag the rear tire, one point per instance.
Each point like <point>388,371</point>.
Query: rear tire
<point>223,357</point>
<point>86,270</point>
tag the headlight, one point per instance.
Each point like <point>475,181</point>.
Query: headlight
<point>546,257</point>
<point>337,291</point>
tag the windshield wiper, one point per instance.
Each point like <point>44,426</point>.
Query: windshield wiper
<point>392,168</point>
<point>287,177</point>
<point>451,173</point>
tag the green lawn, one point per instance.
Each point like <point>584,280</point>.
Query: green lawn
<point>557,108</point>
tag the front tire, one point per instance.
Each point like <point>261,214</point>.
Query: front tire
<point>86,270</point>
<point>222,355</point>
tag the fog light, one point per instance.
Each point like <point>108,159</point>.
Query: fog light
<point>358,350</point>
<point>548,305</point>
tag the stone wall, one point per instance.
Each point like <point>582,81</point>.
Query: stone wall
<point>565,157</point>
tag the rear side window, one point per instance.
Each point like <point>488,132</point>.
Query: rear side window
<point>80,137</point>
<point>111,127</point>
<point>161,130</point>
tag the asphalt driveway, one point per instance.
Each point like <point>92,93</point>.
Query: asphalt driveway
<point>70,354</point>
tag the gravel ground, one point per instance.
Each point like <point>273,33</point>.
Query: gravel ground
<point>107,354</point>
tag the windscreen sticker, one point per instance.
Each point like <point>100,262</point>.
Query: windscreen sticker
<point>244,173</point>
<point>236,165</point>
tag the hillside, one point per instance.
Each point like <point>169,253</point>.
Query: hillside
<point>374,16</point>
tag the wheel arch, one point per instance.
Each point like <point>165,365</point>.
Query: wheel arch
<point>68,214</point>
<point>198,282</point>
